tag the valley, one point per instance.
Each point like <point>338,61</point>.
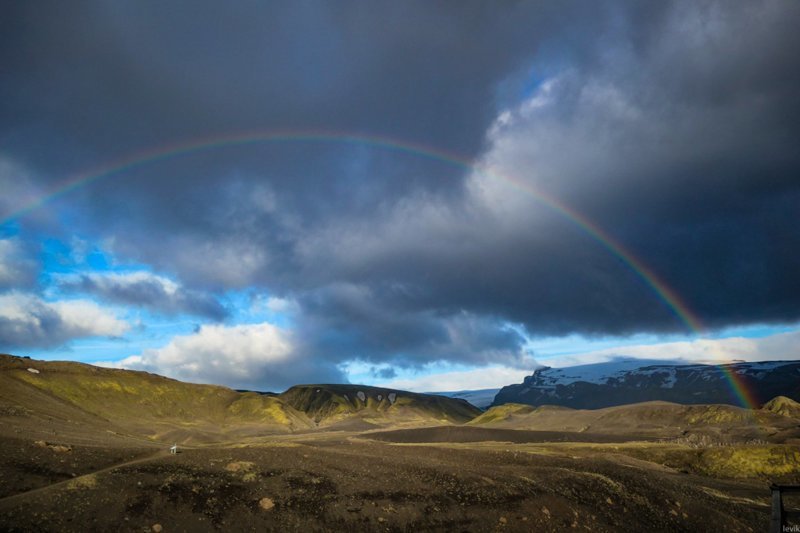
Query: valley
<point>86,448</point>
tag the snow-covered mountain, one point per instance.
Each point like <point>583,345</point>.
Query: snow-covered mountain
<point>634,380</point>
<point>481,399</point>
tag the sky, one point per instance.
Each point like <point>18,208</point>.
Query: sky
<point>426,195</point>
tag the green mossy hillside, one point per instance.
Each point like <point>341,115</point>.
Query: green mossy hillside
<point>160,408</point>
<point>328,404</point>
<point>502,413</point>
<point>781,405</point>
<point>139,400</point>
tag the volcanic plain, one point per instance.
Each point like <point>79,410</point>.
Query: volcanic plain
<point>87,449</point>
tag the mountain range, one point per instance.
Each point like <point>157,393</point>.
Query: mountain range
<point>79,401</point>
<point>69,398</point>
<point>623,382</point>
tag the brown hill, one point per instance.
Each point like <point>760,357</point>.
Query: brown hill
<point>329,405</point>
<point>661,419</point>
<point>89,402</point>
<point>137,403</point>
<point>78,454</point>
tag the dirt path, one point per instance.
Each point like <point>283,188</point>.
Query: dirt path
<point>10,501</point>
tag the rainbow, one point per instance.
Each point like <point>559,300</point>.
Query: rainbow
<point>746,397</point>
<point>664,293</point>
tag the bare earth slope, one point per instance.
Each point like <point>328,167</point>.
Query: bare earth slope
<point>783,406</point>
<point>139,403</point>
<point>718,423</point>
<point>85,448</point>
<point>328,405</point>
<point>337,483</point>
<point>148,406</point>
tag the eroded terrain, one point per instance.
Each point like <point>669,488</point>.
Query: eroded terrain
<point>350,482</point>
<point>87,449</point>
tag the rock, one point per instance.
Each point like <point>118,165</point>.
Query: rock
<point>13,410</point>
<point>240,466</point>
<point>156,528</point>
<point>266,504</point>
<point>58,448</point>
<point>503,520</point>
<point>33,371</point>
<point>89,481</point>
<point>361,396</point>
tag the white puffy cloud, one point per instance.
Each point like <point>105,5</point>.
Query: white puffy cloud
<point>273,304</point>
<point>281,305</point>
<point>479,378</point>
<point>88,318</point>
<point>243,356</point>
<point>29,321</point>
<point>781,346</point>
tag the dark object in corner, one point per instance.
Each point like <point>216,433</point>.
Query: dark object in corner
<point>780,516</point>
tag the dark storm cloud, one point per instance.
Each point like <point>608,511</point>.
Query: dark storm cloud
<point>368,323</point>
<point>18,266</point>
<point>110,78</point>
<point>677,143</point>
<point>90,83</point>
<point>384,373</point>
<point>673,126</point>
<point>684,150</point>
<point>146,290</point>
